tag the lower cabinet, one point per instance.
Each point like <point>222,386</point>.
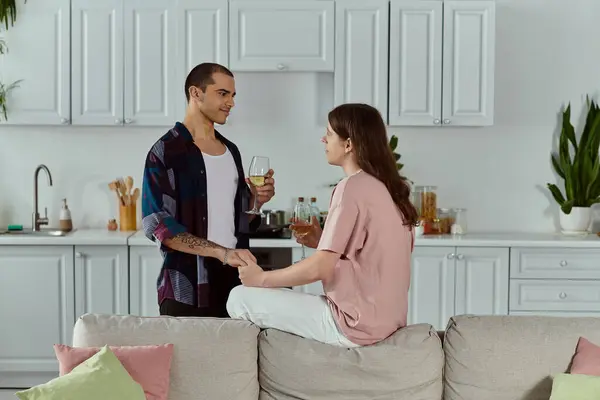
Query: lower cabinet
<point>42,291</point>
<point>448,281</point>
<point>144,267</point>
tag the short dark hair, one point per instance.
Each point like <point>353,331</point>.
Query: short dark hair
<point>201,76</point>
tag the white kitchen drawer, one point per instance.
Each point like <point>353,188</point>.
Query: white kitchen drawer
<point>554,295</point>
<point>544,263</point>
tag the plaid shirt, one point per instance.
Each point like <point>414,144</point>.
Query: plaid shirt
<point>174,200</point>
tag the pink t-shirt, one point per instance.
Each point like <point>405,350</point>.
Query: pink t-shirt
<point>368,292</point>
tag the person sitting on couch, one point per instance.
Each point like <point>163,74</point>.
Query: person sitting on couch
<point>363,254</point>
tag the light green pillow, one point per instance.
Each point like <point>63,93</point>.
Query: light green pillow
<point>100,377</point>
<point>575,387</point>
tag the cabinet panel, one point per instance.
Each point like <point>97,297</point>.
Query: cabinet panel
<point>101,280</point>
<point>432,285</point>
<point>361,53</point>
<point>37,294</point>
<point>43,95</point>
<point>482,280</point>
<point>150,33</point>
<point>286,36</point>
<point>97,62</point>
<point>415,62</point>
<point>145,264</point>
<point>469,52</point>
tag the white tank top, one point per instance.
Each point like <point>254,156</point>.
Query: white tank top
<point>221,184</point>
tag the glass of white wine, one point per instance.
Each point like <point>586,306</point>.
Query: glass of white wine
<point>259,167</point>
<point>301,221</point>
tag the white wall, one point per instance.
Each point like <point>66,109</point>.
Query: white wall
<point>548,53</point>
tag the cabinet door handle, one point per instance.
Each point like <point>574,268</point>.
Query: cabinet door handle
<point>281,67</point>
<point>460,256</point>
<point>451,256</point>
<point>79,255</point>
<point>447,121</point>
<point>64,121</point>
<point>436,121</point>
<point>117,121</point>
<point>128,120</point>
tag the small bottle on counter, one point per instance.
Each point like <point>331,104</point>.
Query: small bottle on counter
<point>66,223</point>
<point>314,210</point>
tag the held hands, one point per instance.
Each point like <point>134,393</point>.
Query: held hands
<point>251,274</point>
<point>264,193</point>
<point>236,257</point>
<point>311,239</point>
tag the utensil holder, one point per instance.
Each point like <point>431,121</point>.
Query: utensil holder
<point>128,217</point>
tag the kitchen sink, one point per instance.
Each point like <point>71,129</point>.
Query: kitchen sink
<point>29,232</point>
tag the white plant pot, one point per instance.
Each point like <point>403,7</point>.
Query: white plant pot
<point>577,222</point>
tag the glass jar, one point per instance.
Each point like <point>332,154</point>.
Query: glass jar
<point>415,199</point>
<point>428,202</point>
<point>459,227</point>
<point>446,217</point>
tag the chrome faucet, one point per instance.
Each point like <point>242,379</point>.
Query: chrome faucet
<point>37,221</point>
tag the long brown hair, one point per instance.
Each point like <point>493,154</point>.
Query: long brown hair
<point>363,125</point>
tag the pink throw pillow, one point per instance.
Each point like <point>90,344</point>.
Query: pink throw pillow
<point>587,358</point>
<point>150,366</point>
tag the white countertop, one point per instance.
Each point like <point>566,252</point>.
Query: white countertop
<point>103,237</point>
<point>79,237</point>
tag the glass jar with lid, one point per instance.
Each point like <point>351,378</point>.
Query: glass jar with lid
<point>428,203</point>
<point>446,217</point>
<point>459,227</point>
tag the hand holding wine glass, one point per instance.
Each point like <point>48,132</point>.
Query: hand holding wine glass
<point>302,221</point>
<point>258,174</point>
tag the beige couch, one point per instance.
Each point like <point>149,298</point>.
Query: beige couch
<point>482,358</point>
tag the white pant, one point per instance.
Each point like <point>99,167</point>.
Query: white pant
<point>302,314</point>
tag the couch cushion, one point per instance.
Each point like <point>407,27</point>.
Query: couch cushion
<point>407,365</point>
<point>510,357</point>
<point>212,358</point>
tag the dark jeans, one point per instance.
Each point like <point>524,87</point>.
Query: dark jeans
<point>221,279</point>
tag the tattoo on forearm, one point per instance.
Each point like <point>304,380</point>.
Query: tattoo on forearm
<point>194,242</point>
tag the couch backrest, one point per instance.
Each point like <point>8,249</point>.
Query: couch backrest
<point>510,357</point>
<point>407,365</point>
<point>212,358</point>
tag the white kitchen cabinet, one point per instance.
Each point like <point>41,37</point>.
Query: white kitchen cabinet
<point>482,280</point>
<point>202,36</point>
<point>448,281</point>
<point>43,65</point>
<point>145,264</point>
<point>101,280</point>
<point>123,62</point>
<point>361,53</point>
<point>468,72</point>
<point>432,281</point>
<point>273,35</point>
<point>38,305</point>
<point>442,63</point>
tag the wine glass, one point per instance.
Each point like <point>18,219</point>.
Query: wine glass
<point>259,167</point>
<point>302,221</point>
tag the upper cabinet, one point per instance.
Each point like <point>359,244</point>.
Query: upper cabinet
<point>442,63</point>
<point>361,53</point>
<point>41,66</point>
<point>280,35</point>
<point>123,62</point>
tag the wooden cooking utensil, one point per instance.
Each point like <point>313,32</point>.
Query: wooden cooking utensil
<point>114,186</point>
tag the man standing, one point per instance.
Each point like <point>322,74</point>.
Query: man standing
<point>194,198</point>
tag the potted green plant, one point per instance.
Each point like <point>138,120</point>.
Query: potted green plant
<point>580,172</point>
<point>8,12</point>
